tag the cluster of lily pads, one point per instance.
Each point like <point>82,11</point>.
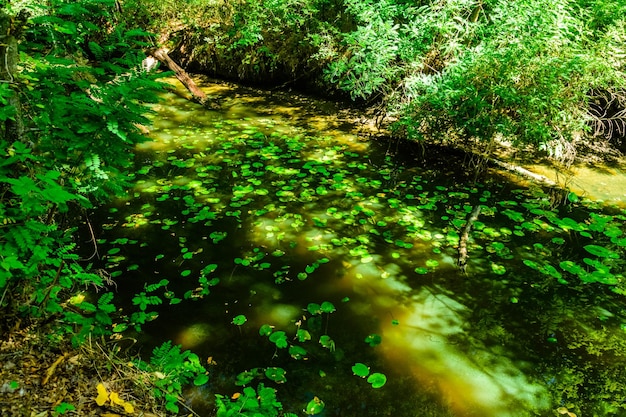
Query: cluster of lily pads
<point>284,205</point>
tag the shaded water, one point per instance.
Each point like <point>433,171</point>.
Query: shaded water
<point>273,203</point>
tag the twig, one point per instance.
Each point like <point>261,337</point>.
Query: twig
<point>93,239</point>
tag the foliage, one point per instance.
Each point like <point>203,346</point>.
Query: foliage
<point>532,254</point>
<point>257,40</point>
<point>261,402</point>
<point>83,93</point>
<point>170,369</point>
<point>529,72</point>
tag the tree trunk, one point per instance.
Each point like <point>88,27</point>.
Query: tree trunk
<point>197,94</point>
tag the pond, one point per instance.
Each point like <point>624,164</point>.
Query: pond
<point>285,247</point>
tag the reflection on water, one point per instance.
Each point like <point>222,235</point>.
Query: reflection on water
<point>607,183</point>
<point>484,378</point>
<point>292,207</point>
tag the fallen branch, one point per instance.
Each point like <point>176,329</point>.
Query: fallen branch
<point>463,254</point>
<point>197,94</point>
<point>524,172</point>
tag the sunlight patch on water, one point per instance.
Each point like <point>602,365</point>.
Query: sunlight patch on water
<point>605,183</point>
<point>425,334</point>
<point>483,380</point>
<point>281,315</point>
<point>194,335</point>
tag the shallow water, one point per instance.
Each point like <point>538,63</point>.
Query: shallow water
<point>282,203</point>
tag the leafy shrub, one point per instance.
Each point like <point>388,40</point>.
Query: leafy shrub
<point>170,370</point>
<point>261,402</point>
<point>83,93</point>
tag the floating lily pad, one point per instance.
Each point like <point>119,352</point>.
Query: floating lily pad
<point>360,369</point>
<point>377,380</point>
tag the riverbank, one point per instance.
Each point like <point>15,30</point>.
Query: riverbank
<point>43,378</point>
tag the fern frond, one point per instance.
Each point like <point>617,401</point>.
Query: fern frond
<point>22,237</point>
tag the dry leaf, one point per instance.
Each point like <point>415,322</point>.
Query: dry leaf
<point>52,368</point>
<point>74,360</point>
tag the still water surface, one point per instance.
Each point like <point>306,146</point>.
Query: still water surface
<point>274,202</point>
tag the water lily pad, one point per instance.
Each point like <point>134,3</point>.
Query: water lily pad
<point>315,406</point>
<point>297,352</point>
<point>377,380</point>
<point>265,330</point>
<point>239,320</point>
<point>360,369</point>
<point>276,374</point>
<point>279,338</point>
<point>373,339</point>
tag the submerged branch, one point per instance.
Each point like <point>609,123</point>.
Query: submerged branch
<point>463,254</point>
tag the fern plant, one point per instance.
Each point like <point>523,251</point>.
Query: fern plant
<point>170,369</point>
<point>85,93</point>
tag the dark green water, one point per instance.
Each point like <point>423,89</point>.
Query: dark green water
<point>273,203</point>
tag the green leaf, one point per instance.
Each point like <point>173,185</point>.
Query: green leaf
<point>303,335</point>
<point>201,379</point>
<point>239,320</point>
<point>120,327</point>
<point>279,338</point>
<point>601,251</point>
<point>327,342</point>
<point>276,374</point>
<point>360,369</point>
<point>297,352</point>
<point>327,307</point>
<point>265,330</point>
<point>315,406</point>
<point>373,339</point>
<point>377,380</point>
<point>314,308</point>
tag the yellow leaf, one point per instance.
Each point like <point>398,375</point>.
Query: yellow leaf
<point>128,407</point>
<point>115,398</point>
<point>103,396</point>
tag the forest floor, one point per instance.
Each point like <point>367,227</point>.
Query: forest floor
<point>41,378</point>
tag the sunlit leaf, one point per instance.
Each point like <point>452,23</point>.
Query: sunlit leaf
<point>360,369</point>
